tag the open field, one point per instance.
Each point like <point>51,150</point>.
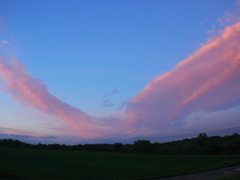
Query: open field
<point>226,173</point>
<point>52,164</point>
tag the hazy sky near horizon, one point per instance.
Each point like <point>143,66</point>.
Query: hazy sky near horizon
<point>117,68</point>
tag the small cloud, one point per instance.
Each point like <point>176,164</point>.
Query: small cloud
<point>202,22</point>
<point>211,32</point>
<point>49,137</point>
<point>13,131</point>
<point>230,18</point>
<point>238,3</point>
<point>17,136</point>
<point>114,91</point>
<point>3,43</point>
<point>13,136</point>
<point>107,103</point>
<point>122,105</point>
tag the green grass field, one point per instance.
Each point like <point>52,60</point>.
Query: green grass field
<point>231,177</point>
<point>50,164</point>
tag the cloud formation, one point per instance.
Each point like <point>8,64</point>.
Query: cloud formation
<point>207,81</point>
<point>3,43</point>
<point>114,91</point>
<point>25,136</point>
<point>230,17</point>
<point>107,103</point>
<point>16,132</point>
<point>33,92</point>
<point>193,96</point>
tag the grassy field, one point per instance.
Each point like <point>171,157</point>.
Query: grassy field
<point>231,177</point>
<point>50,164</point>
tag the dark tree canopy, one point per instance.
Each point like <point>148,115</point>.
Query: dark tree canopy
<point>199,145</point>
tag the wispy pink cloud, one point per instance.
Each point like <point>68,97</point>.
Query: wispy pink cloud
<point>206,81</point>
<point>3,43</point>
<point>230,17</point>
<point>13,131</point>
<point>33,92</point>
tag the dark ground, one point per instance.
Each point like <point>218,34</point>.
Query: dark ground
<point>208,175</point>
<point>9,176</point>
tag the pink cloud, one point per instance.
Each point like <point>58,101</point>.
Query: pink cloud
<point>230,18</point>
<point>13,131</point>
<point>202,85</point>
<point>207,81</point>
<point>3,43</point>
<point>33,92</point>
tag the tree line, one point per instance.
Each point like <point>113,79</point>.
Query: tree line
<point>201,145</point>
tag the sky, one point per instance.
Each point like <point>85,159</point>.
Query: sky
<point>111,71</point>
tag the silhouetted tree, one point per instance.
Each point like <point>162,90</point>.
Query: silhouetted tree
<point>142,146</point>
<point>117,147</point>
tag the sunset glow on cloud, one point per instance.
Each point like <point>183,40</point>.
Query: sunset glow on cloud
<point>33,92</point>
<point>94,61</point>
<point>207,81</point>
<point>11,131</point>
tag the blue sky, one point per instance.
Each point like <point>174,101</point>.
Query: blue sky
<point>105,44</point>
<point>85,50</point>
